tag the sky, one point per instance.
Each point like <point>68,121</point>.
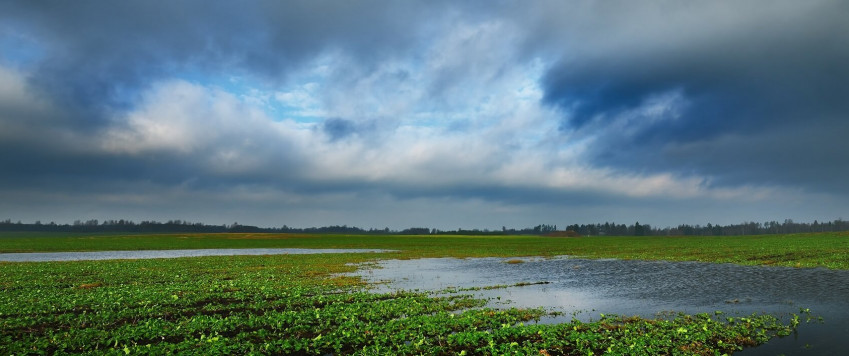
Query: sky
<point>441,114</point>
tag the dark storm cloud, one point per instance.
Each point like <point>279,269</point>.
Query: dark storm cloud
<point>510,195</point>
<point>96,58</point>
<point>121,100</point>
<point>807,156</point>
<point>28,166</point>
<point>777,75</point>
<point>97,55</point>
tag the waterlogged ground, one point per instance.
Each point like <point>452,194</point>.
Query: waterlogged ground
<point>147,254</point>
<point>583,288</point>
<point>293,305</point>
<point>304,305</point>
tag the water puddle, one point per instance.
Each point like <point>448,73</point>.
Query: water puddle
<point>584,288</point>
<point>146,254</point>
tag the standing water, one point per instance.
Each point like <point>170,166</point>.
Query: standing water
<point>645,288</point>
<point>147,254</point>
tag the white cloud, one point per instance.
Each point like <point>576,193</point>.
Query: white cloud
<point>183,117</point>
<point>518,147</point>
<point>449,111</point>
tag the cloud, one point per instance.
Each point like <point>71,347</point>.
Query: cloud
<point>219,136</point>
<point>101,55</point>
<point>759,73</point>
<point>463,114</point>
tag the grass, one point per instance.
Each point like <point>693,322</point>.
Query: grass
<point>828,250</point>
<point>297,304</point>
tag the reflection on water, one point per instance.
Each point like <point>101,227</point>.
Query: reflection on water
<point>646,288</point>
<point>145,254</point>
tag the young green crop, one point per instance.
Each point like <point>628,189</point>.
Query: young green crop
<point>296,304</point>
<point>829,250</point>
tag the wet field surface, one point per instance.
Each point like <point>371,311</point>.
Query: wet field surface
<point>583,288</point>
<point>145,254</point>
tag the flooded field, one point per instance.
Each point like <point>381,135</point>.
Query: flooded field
<point>145,254</point>
<point>297,304</point>
<point>584,288</point>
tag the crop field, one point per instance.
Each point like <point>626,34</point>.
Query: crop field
<point>298,304</point>
<point>828,250</point>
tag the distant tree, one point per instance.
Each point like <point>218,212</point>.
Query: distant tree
<point>415,231</point>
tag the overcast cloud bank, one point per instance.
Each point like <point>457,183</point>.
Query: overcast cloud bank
<point>435,114</point>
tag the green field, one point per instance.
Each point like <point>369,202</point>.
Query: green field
<point>294,304</point>
<point>829,250</point>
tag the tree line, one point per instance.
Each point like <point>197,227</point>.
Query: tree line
<point>606,229</point>
<point>177,226</point>
<point>747,228</point>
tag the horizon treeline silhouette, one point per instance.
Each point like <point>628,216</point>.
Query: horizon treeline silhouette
<point>598,229</point>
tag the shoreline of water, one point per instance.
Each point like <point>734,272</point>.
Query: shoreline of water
<point>634,287</point>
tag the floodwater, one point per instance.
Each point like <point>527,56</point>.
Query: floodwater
<point>585,288</point>
<point>146,254</point>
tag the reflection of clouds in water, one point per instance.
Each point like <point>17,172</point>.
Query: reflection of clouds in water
<point>586,288</point>
<point>575,285</point>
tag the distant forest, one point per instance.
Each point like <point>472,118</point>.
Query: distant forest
<point>605,229</point>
